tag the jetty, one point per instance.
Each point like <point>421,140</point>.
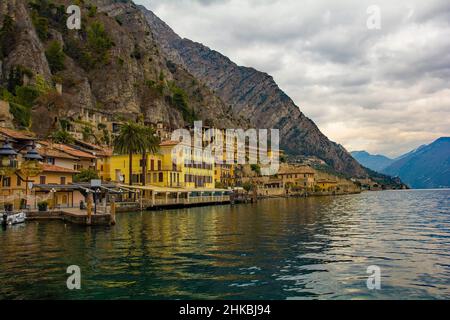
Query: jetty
<point>73,215</point>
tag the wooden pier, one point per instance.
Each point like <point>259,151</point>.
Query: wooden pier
<point>72,215</point>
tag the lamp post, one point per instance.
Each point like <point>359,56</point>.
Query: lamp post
<point>96,192</point>
<point>8,155</point>
<point>32,158</point>
<point>53,191</point>
<point>8,163</point>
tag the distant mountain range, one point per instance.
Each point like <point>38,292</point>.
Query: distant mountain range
<point>423,168</point>
<point>375,162</point>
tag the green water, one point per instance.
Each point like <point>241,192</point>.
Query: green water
<point>276,249</point>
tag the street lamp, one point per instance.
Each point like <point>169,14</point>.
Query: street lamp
<point>32,154</point>
<point>7,155</point>
<point>53,191</point>
<point>96,192</point>
<point>31,166</point>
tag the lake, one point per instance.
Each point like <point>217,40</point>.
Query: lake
<point>309,248</point>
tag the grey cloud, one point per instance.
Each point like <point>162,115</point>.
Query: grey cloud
<point>380,90</point>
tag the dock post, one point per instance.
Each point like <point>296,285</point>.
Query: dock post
<point>113,210</point>
<point>89,208</point>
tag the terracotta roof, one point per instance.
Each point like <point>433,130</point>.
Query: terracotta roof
<point>54,153</point>
<point>106,152</point>
<point>14,134</point>
<point>52,168</point>
<point>69,150</point>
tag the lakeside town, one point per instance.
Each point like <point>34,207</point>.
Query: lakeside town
<point>68,175</point>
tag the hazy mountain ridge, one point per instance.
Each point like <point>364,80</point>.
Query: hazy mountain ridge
<point>255,96</point>
<point>376,162</point>
<point>426,167</point>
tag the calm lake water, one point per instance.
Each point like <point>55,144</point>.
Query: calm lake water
<point>315,248</point>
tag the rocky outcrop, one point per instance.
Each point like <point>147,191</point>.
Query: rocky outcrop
<point>6,118</point>
<point>28,50</point>
<point>255,96</point>
<point>133,78</point>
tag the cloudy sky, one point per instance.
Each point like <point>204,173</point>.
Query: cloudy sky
<point>382,90</point>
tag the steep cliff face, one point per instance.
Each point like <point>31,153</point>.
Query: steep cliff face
<point>254,95</point>
<point>113,64</point>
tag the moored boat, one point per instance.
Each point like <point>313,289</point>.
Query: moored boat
<point>12,219</point>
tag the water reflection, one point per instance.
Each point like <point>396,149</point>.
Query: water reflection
<point>276,249</point>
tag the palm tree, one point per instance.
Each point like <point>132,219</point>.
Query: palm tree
<point>130,140</point>
<point>152,142</point>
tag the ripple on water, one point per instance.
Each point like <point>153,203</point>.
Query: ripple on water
<point>277,249</point>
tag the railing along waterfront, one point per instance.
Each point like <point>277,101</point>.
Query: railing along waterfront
<point>184,201</point>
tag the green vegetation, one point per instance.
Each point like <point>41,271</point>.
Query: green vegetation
<point>64,124</point>
<point>92,11</point>
<point>55,57</point>
<point>62,136</point>
<point>7,36</point>
<point>22,97</point>
<point>99,44</point>
<point>87,132</point>
<point>248,186</point>
<point>16,76</point>
<point>92,53</point>
<point>45,14</point>
<point>179,101</point>
<point>256,168</point>
<point>85,175</point>
<point>42,206</point>
<point>21,114</point>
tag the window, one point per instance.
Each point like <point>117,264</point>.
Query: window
<point>19,181</point>
<point>51,160</point>
<point>62,180</point>
<point>42,179</point>
<point>154,177</point>
<point>161,177</point>
<point>152,165</point>
<point>6,182</point>
<point>159,165</point>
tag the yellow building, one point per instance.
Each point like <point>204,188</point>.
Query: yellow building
<point>326,185</point>
<point>165,169</point>
<point>53,185</point>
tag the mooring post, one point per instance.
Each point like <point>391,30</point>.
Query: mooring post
<point>113,210</point>
<point>89,208</point>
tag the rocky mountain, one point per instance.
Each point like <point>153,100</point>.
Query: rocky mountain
<point>255,96</point>
<point>375,162</point>
<point>112,64</point>
<point>425,167</point>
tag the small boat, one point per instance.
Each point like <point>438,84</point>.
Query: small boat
<point>13,219</point>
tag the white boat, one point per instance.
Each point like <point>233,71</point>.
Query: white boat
<point>15,218</point>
